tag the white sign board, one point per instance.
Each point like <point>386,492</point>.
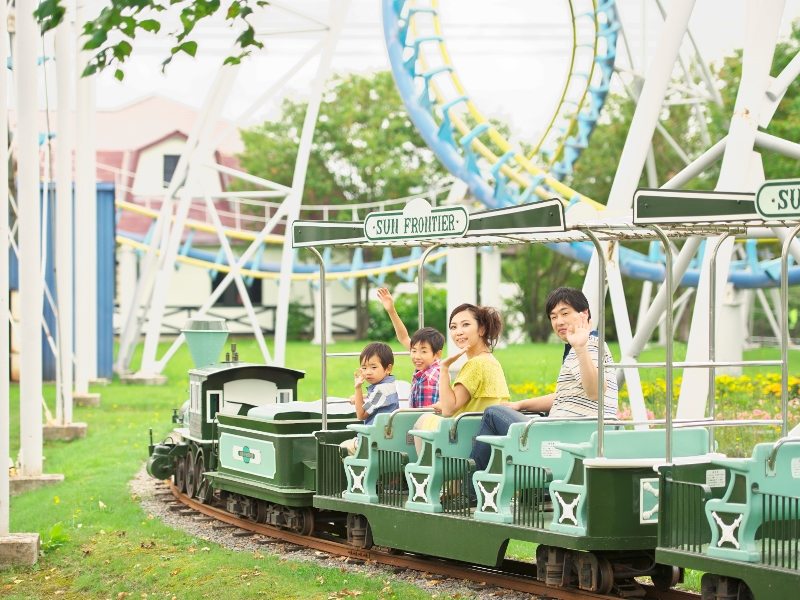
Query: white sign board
<point>417,221</point>
<point>779,199</point>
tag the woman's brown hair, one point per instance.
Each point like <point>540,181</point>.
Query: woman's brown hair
<point>487,317</point>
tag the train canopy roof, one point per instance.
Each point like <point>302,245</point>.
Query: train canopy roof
<point>680,213</point>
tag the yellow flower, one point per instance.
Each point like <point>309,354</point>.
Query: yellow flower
<point>56,499</point>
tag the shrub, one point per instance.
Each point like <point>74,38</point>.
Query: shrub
<point>301,321</point>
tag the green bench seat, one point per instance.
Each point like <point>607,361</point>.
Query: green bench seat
<point>760,503</point>
<point>381,456</point>
<point>515,468</point>
<point>638,449</point>
<point>443,464</point>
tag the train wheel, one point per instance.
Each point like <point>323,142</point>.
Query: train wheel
<point>306,517</point>
<point>666,577</point>
<point>179,477</point>
<point>605,576</point>
<point>262,511</point>
<point>201,484</point>
<point>191,481</point>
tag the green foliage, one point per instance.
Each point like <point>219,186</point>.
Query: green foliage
<point>365,147</point>
<point>127,17</point>
<point>380,326</point>
<point>54,539</point>
<point>537,270</point>
<point>301,321</point>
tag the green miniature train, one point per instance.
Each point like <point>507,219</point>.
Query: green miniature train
<point>606,504</point>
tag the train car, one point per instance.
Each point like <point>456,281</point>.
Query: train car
<point>737,520</point>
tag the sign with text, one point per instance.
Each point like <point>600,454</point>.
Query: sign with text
<point>416,221</point>
<point>779,199</point>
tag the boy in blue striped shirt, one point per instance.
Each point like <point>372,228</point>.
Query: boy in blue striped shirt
<point>377,360</point>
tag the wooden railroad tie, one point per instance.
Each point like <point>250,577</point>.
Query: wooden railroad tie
<point>243,533</point>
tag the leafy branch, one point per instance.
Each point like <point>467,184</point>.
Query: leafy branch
<point>128,17</point>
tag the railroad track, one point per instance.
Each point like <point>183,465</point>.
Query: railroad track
<point>508,576</point>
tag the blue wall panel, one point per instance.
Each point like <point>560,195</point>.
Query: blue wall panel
<point>106,272</point>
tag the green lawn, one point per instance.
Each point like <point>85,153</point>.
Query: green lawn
<point>117,549</point>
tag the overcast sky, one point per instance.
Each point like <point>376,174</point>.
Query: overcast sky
<point>511,56</point>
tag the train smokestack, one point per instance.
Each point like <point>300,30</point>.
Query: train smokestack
<point>205,337</point>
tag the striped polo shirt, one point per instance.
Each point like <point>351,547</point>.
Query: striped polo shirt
<point>571,399</point>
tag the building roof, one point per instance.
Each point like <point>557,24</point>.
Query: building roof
<point>140,123</point>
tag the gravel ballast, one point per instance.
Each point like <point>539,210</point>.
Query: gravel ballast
<point>233,538</point>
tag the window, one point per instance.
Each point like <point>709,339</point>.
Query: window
<point>230,296</point>
<point>284,396</point>
<point>170,162</point>
<point>213,406</point>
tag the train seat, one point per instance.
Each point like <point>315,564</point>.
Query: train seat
<point>375,473</point>
<point>522,462</point>
<point>443,465</point>
<point>761,502</point>
<point>636,450</point>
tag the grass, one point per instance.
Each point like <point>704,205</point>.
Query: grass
<point>117,548</point>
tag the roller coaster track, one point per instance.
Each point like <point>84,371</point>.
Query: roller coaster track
<point>441,109</point>
<point>433,93</point>
<point>509,576</point>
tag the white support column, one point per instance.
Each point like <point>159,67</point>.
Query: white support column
<point>644,303</point>
<point>195,153</point>
<point>461,287</point>
<point>762,22</point>
<point>647,323</point>
<point>127,279</point>
<point>30,281</point>
<point>648,108</point>
<point>336,18</point>
<point>85,219</point>
<point>5,309</point>
<point>316,295</point>
<point>624,335</point>
<point>638,143</point>
<point>490,278</point>
<point>63,249</point>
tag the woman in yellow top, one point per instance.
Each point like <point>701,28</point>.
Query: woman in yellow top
<point>481,382</point>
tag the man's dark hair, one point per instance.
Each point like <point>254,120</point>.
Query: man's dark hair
<point>428,334</point>
<point>379,349</point>
<point>569,296</point>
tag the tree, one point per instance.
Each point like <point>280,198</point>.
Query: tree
<point>365,147</point>
<point>123,19</point>
<point>538,270</point>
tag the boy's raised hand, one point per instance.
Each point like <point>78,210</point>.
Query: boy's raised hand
<point>358,379</point>
<point>578,332</point>
<point>385,296</point>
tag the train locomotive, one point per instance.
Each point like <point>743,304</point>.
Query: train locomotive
<point>242,440</point>
<point>605,504</point>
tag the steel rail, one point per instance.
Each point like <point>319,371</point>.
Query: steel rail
<point>510,578</point>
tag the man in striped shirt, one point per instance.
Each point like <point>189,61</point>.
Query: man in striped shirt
<point>577,388</point>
